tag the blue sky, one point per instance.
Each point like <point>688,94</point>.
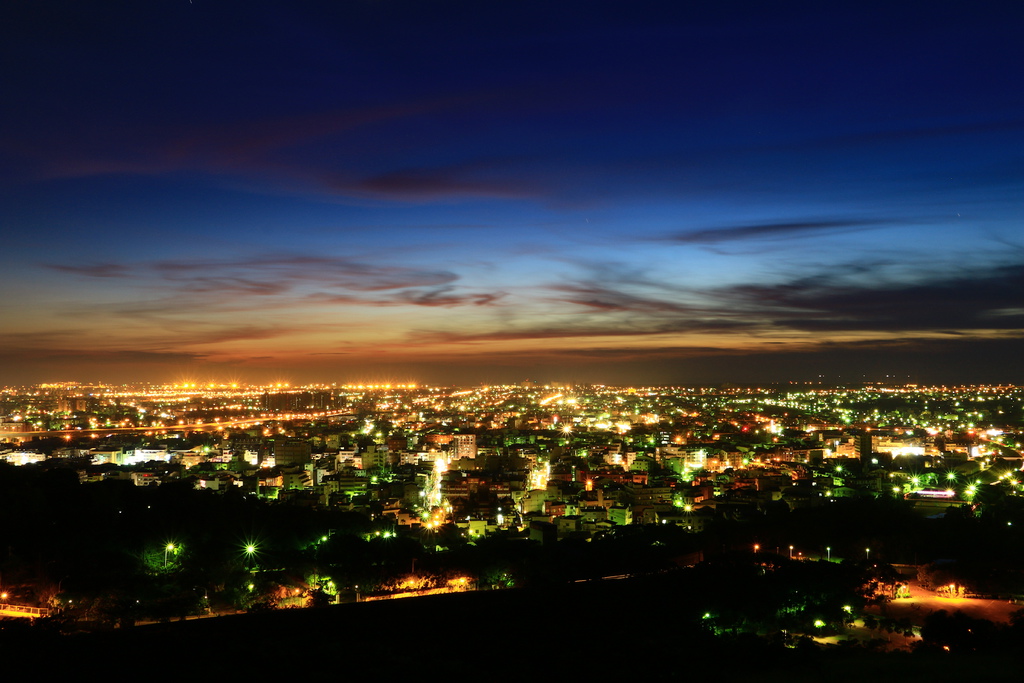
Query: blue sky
<point>479,192</point>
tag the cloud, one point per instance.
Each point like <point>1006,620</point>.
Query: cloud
<point>444,296</point>
<point>771,231</point>
<point>234,285</point>
<point>268,276</point>
<point>276,151</point>
<point>94,270</point>
<point>116,356</point>
<point>961,301</point>
<point>219,334</point>
<point>605,298</point>
<point>426,184</point>
<point>877,300</point>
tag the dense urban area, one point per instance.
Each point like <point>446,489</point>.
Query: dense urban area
<point>874,518</point>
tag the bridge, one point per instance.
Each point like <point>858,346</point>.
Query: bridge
<point>23,611</point>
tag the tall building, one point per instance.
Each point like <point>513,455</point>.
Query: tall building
<point>291,452</point>
<point>463,446</point>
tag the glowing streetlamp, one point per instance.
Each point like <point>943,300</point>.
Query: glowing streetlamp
<point>250,550</point>
<point>167,548</point>
<point>791,552</point>
<point>828,553</point>
<point>867,554</point>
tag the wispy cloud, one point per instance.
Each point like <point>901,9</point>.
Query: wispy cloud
<point>438,183</point>
<point>268,276</point>
<point>772,231</point>
<point>956,300</point>
<point>94,270</point>
<point>856,299</point>
<point>447,296</point>
<point>85,355</point>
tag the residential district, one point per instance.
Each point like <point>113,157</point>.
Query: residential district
<point>149,503</point>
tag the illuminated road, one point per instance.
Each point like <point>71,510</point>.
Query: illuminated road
<point>197,427</point>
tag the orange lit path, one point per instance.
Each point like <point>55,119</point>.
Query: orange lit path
<point>197,427</point>
<point>916,608</point>
<point>412,594</point>
<point>22,611</point>
<point>923,602</point>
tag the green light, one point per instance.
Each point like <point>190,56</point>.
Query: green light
<point>818,623</point>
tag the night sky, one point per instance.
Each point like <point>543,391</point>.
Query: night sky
<point>439,191</point>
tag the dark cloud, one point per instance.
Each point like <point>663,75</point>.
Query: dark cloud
<point>195,334</point>
<point>445,296</point>
<point>980,300</point>
<point>436,184</point>
<point>243,146</point>
<point>276,151</point>
<point>878,296</point>
<point>94,270</point>
<point>571,330</point>
<point>606,298</point>
<point>234,285</point>
<point>441,297</point>
<point>103,356</point>
<point>228,282</point>
<point>772,231</point>
<point>289,270</point>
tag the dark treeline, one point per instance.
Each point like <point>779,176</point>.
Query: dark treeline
<point>110,553</point>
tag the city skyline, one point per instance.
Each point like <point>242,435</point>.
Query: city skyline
<point>487,192</point>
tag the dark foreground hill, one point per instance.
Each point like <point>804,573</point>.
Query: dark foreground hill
<point>613,630</point>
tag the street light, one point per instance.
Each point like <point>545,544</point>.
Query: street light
<point>250,551</point>
<point>828,553</point>
<point>791,552</point>
<point>167,548</point>
<point>867,553</point>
